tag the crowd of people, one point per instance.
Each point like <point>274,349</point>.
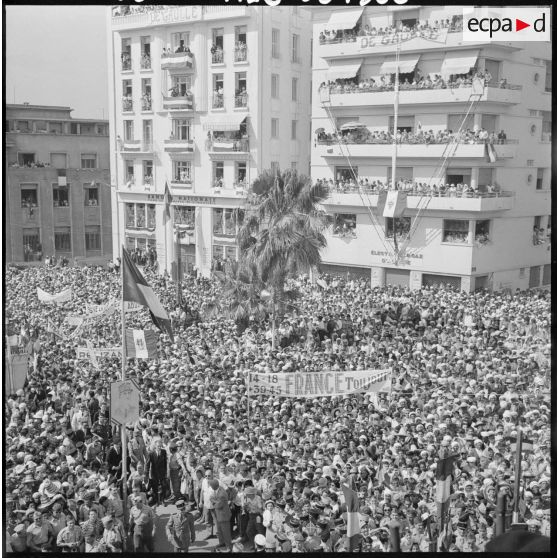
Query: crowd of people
<point>468,370</point>
<point>413,82</point>
<point>362,135</point>
<point>411,186</point>
<point>392,33</point>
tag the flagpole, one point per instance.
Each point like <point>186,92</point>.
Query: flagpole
<point>515,517</point>
<point>123,426</point>
<point>248,398</point>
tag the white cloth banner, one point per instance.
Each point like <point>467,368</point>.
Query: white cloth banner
<point>62,296</point>
<point>140,344</point>
<point>98,310</point>
<point>320,384</point>
<point>132,306</point>
<point>85,353</point>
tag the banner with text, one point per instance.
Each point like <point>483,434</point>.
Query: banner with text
<point>320,384</point>
<point>87,353</point>
<point>62,296</point>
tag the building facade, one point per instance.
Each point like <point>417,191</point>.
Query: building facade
<point>492,233</point>
<point>57,198</point>
<point>202,98</point>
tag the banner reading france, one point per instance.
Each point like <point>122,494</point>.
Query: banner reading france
<point>320,384</point>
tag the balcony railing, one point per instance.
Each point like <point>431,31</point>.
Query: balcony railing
<point>127,105</point>
<point>368,87</point>
<point>182,181</point>
<point>145,63</point>
<point>131,145</point>
<point>241,100</point>
<point>179,145</point>
<point>126,62</point>
<point>179,102</point>
<point>240,52</point>
<point>148,181</point>
<point>177,61</point>
<point>217,56</point>
<point>218,101</point>
<point>228,145</point>
<point>392,35</point>
<point>146,103</point>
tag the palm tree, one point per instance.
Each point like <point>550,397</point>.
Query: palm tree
<point>281,233</point>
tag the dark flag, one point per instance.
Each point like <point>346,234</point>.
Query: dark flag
<point>136,289</point>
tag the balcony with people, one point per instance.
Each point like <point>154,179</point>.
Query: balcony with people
<point>440,195</point>
<point>241,98</point>
<point>415,88</point>
<point>235,143</point>
<point>146,103</point>
<point>181,59</point>
<point>355,138</point>
<point>145,63</point>
<point>240,51</point>
<point>181,99</point>
<point>126,58</point>
<point>217,54</point>
<point>127,104</point>
<point>180,144</point>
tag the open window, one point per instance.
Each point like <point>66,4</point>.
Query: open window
<point>344,224</point>
<point>126,54</point>
<point>401,226</point>
<point>26,159</point>
<point>343,174</point>
<point>62,239</point>
<point>60,196</point>
<point>91,195</point>
<point>29,195</point>
<point>182,172</point>
<point>482,231</point>
<point>180,41</point>
<point>456,231</point>
<point>181,129</point>
<point>404,123</point>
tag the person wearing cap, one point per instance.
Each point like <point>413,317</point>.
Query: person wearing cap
<point>180,528</point>
<point>112,540</point>
<point>142,526</point>
<point>222,514</point>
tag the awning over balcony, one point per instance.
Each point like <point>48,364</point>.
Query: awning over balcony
<point>343,69</point>
<point>224,122</point>
<point>406,64</point>
<point>344,19</point>
<point>459,62</point>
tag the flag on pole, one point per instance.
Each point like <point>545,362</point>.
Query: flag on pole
<point>136,289</point>
<point>141,344</point>
<point>491,153</point>
<point>92,355</point>
<point>168,201</point>
<point>443,479</point>
<point>353,521</point>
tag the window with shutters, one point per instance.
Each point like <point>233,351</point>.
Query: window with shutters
<point>294,89</point>
<point>62,239</point>
<point>93,238</point>
<point>275,43</point>
<point>275,86</point>
<point>88,160</point>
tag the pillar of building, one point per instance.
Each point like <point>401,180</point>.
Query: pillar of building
<point>475,178</point>
<point>415,281</point>
<point>467,283</point>
<point>377,277</point>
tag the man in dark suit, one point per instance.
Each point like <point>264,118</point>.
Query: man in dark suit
<point>157,471</point>
<point>222,513</point>
<point>114,458</point>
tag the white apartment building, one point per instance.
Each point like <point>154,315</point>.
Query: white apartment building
<point>202,98</point>
<point>496,238</point>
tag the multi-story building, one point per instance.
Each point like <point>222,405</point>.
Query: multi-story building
<point>202,98</point>
<point>57,199</point>
<point>493,233</point>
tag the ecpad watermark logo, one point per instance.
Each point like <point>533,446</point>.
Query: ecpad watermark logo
<point>506,24</point>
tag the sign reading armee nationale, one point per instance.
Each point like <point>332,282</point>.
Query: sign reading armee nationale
<point>320,384</point>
